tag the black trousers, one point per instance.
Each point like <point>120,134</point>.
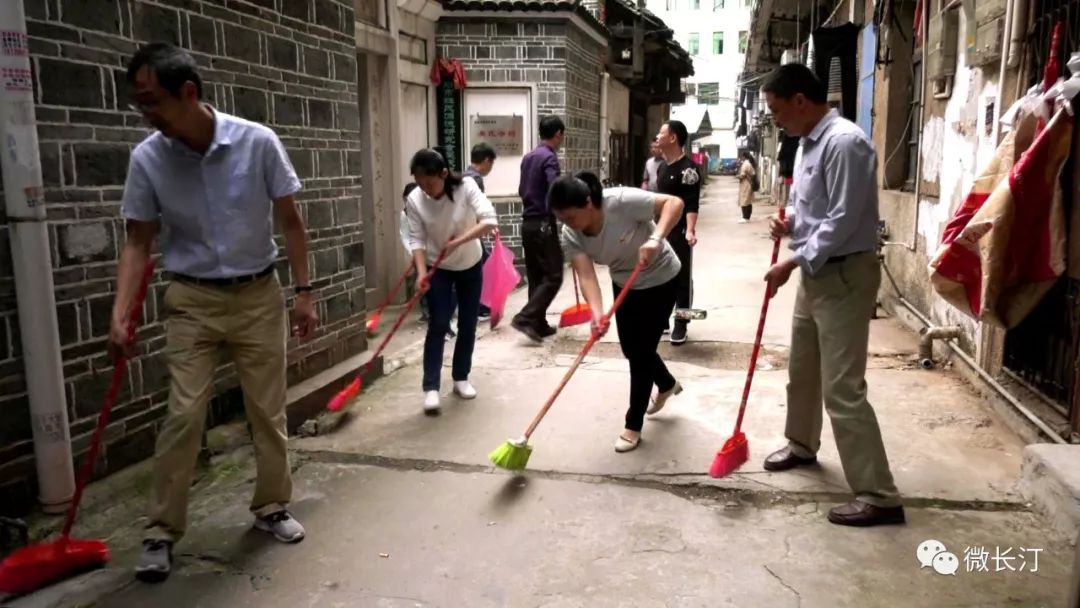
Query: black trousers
<point>684,290</point>
<point>543,269</point>
<point>640,322</point>
<point>746,211</point>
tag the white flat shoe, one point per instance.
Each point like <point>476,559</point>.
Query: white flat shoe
<point>659,399</point>
<point>623,444</point>
<point>431,403</point>
<point>464,390</point>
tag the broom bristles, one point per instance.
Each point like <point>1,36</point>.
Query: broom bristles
<point>511,455</point>
<point>735,452</point>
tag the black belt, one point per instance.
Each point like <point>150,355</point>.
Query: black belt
<point>841,258</point>
<point>224,281</point>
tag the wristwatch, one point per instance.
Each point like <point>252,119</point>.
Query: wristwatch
<point>299,289</point>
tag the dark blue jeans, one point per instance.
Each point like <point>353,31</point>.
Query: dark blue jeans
<point>446,287</point>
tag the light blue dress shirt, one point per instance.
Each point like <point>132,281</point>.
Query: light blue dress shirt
<point>834,198</point>
<point>215,209</point>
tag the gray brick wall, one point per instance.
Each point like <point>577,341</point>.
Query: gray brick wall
<point>288,63</point>
<point>554,54</point>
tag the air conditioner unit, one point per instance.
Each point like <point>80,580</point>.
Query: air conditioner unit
<point>942,41</point>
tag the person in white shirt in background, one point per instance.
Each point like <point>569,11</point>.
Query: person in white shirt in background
<point>746,175</point>
<point>652,167</point>
<point>447,212</point>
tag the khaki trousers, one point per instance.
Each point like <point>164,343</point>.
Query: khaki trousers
<point>829,341</point>
<point>249,323</point>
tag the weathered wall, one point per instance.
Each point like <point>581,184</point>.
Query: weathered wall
<point>958,139</point>
<point>288,63</point>
<point>558,57</point>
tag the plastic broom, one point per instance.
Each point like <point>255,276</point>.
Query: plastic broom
<point>373,321</point>
<point>514,454</point>
<point>736,450</point>
<point>41,564</point>
<point>353,388</point>
<point>579,313</point>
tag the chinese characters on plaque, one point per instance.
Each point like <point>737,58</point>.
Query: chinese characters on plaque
<point>504,133</point>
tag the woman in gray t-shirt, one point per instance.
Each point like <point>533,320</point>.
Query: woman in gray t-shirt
<point>615,227</point>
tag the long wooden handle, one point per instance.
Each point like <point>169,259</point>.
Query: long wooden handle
<point>584,351</point>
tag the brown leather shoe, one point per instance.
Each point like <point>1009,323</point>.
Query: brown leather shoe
<point>858,513</point>
<point>784,459</point>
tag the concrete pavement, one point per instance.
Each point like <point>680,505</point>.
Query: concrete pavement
<point>405,510</point>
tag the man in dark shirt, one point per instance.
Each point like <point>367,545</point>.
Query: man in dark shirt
<point>680,177</point>
<point>539,237</point>
<point>483,161</point>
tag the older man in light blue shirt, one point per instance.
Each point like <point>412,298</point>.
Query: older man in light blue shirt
<point>833,226</point>
<point>211,183</point>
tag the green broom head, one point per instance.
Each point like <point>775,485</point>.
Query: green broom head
<point>512,455</point>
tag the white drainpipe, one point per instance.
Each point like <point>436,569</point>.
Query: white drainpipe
<point>604,82</point>
<point>24,198</point>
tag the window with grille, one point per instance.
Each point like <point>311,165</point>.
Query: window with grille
<point>709,93</point>
<point>914,130</point>
<point>718,43</point>
<point>718,5</point>
<point>743,36</point>
<point>694,45</point>
<point>695,4</point>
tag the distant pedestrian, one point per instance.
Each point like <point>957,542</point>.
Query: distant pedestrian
<point>747,175</point>
<point>214,183</point>
<point>483,161</point>
<point>833,227</point>
<point>539,237</point>
<point>615,227</point>
<point>447,211</point>
<point>680,177</point>
<point>650,179</point>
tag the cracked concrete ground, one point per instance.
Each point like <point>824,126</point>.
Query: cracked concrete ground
<point>404,510</point>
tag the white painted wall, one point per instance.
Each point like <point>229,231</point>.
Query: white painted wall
<point>506,174</point>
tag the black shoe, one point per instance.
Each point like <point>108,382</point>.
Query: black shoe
<point>784,459</point>
<point>155,562</point>
<point>861,514</point>
<point>678,335</point>
<point>547,331</point>
<point>528,330</point>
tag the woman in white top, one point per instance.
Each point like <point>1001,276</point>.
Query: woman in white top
<point>615,227</point>
<point>447,212</point>
<point>746,175</point>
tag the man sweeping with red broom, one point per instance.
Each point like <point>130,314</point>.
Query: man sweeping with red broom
<point>832,221</point>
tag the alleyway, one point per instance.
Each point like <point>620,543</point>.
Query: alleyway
<point>404,510</point>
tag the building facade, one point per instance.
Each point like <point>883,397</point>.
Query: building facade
<point>715,34</point>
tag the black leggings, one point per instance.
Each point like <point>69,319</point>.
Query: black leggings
<point>640,322</point>
<point>746,211</point>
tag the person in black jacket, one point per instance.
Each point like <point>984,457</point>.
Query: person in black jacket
<point>680,177</point>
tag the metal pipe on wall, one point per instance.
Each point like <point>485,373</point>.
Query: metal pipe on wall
<point>1001,73</point>
<point>1015,30</point>
<point>32,262</point>
<point>605,82</point>
<point>914,245</point>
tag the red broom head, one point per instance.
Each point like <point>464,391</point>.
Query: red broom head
<point>345,395</point>
<point>735,452</point>
<point>372,323</point>
<point>36,566</point>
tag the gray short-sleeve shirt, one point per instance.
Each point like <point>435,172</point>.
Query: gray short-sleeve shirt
<point>628,223</point>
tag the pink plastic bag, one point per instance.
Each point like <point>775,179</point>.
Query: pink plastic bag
<point>500,278</point>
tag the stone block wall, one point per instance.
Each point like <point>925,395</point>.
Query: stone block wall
<point>556,55</point>
<point>288,63</point>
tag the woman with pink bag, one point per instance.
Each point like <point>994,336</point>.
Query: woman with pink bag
<point>447,212</point>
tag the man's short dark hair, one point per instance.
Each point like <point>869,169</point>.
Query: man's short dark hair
<point>172,65</point>
<point>790,79</point>
<point>550,126</point>
<point>482,152</point>
<point>678,129</point>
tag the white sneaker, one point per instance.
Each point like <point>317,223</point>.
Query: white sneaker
<point>282,525</point>
<point>431,402</point>
<point>744,221</point>
<point>464,390</point>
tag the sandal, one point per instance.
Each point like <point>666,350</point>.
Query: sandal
<point>622,444</point>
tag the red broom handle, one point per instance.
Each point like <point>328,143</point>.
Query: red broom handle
<point>577,296</point>
<point>757,338</point>
<point>393,292</point>
<point>119,368</point>
<point>401,318</point>
<point>584,351</point>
